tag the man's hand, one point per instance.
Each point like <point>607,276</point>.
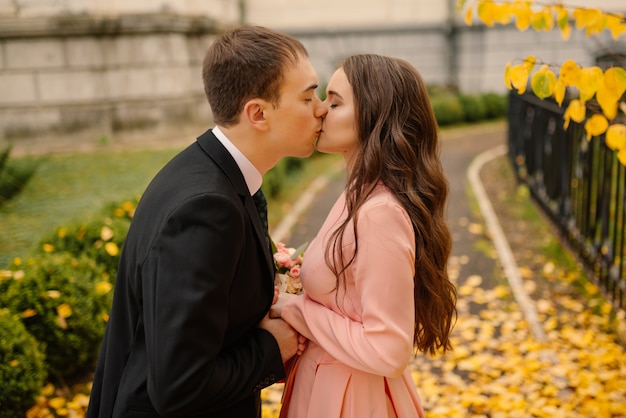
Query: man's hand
<point>286,337</point>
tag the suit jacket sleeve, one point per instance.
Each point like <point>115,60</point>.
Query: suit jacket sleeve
<point>381,341</point>
<point>191,266</point>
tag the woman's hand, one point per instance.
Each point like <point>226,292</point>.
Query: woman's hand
<point>279,302</point>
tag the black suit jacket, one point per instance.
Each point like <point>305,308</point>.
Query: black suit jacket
<point>194,280</point>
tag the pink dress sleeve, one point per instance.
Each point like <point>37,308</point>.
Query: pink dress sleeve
<point>380,341</point>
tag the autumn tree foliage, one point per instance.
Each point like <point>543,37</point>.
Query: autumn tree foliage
<point>598,95</point>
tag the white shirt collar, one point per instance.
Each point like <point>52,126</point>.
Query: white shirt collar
<point>250,173</point>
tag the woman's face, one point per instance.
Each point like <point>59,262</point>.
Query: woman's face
<point>339,133</point>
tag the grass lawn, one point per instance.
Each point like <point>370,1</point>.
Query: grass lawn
<point>70,187</point>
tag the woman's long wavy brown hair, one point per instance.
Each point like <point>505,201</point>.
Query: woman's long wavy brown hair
<point>399,147</point>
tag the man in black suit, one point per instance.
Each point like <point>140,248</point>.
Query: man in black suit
<point>188,333</point>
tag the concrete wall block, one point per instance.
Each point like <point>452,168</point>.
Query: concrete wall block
<point>177,49</point>
<point>129,83</point>
<point>8,8</point>
<point>197,47</point>
<point>84,53</point>
<point>34,54</point>
<point>18,123</point>
<point>17,89</point>
<point>152,49</point>
<point>172,81</point>
<point>71,87</point>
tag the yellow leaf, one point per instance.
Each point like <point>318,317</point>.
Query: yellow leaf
<point>468,16</point>
<point>542,20</point>
<point>522,12</point>
<point>111,249</point>
<point>106,233</point>
<point>590,80</point>
<point>607,101</point>
<point>128,206</point>
<point>616,137</point>
<point>64,310</point>
<point>596,125</point>
<point>529,63</point>
<point>615,24</point>
<point>621,156</point>
<point>570,73</point>
<point>57,402</point>
<point>474,280</point>
<point>48,390</point>
<point>491,13</point>
<point>62,232</point>
<point>48,248</point>
<point>562,17</point>
<point>507,76</point>
<point>81,399</point>
<point>543,82</point>
<point>575,111</point>
<point>519,78</point>
<point>486,12</point>
<point>588,18</point>
<point>566,33</point>
<point>29,313</point>
<point>559,91</point>
<point>615,79</point>
<point>102,288</point>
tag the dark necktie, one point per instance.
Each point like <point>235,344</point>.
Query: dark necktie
<point>261,206</point>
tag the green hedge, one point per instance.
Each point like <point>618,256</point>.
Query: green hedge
<point>274,179</point>
<point>474,108</point>
<point>63,302</point>
<point>99,238</point>
<point>448,109</point>
<point>22,367</point>
<point>451,107</point>
<point>496,105</point>
<point>14,175</point>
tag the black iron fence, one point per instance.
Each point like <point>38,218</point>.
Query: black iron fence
<point>580,184</point>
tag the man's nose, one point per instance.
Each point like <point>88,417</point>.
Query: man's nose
<point>321,109</point>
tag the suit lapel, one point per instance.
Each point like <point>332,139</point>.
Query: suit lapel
<point>216,151</point>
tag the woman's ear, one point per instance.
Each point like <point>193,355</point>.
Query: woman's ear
<point>255,113</point>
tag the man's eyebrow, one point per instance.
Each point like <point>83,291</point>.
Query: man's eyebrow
<point>334,93</point>
<point>311,87</point>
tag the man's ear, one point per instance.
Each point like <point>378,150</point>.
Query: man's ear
<point>255,113</point>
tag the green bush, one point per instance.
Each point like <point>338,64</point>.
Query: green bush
<point>474,108</point>
<point>100,238</point>
<point>22,367</point>
<point>496,105</point>
<point>14,175</point>
<point>64,302</point>
<point>448,109</point>
<point>274,179</point>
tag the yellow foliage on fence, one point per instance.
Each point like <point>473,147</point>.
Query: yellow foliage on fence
<point>600,92</point>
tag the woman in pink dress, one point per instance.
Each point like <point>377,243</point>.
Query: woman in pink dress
<point>376,288</point>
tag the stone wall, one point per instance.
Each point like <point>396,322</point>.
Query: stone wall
<point>88,70</point>
<point>81,74</point>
